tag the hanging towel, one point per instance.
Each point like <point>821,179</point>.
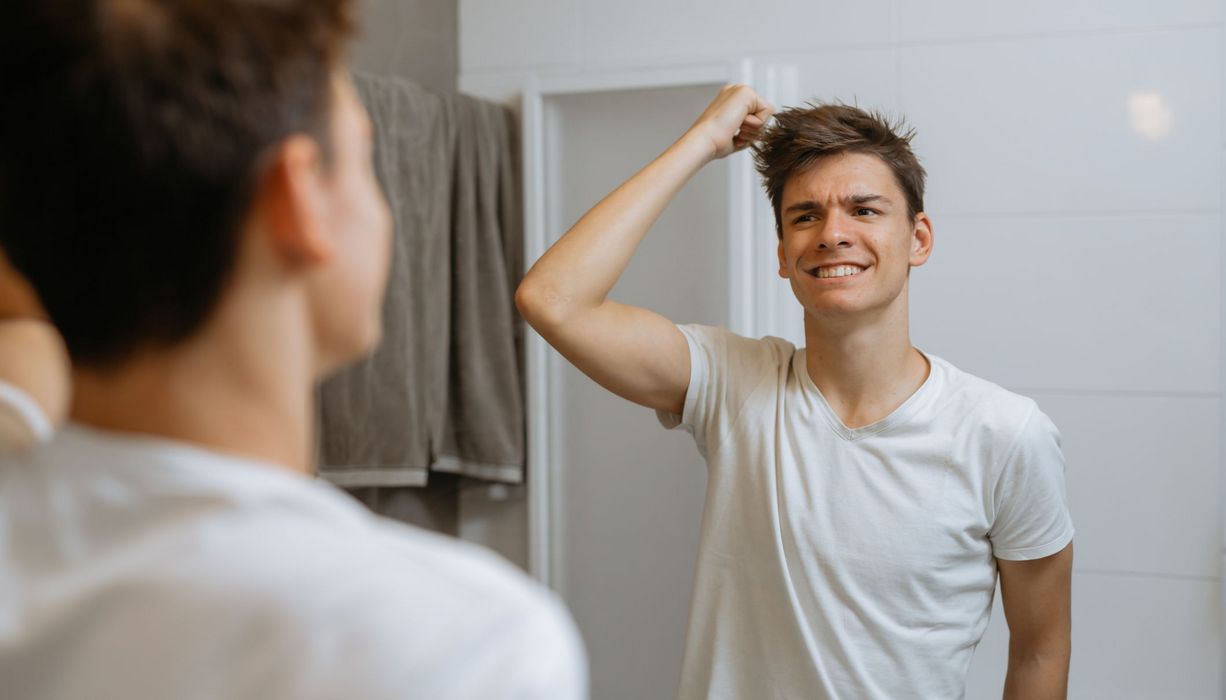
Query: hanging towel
<point>444,389</point>
<point>380,419</point>
<point>484,431</point>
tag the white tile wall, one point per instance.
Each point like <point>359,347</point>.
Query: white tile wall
<point>1074,151</point>
<point>867,77</point>
<point>1143,638</point>
<point>1134,638</point>
<point>526,33</point>
<point>1143,481</point>
<point>973,19</point>
<point>640,31</point>
<point>1075,303</point>
<point>1047,125</point>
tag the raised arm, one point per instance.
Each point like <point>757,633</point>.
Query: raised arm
<point>633,352</point>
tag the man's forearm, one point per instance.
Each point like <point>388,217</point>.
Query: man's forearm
<point>582,267</point>
<point>1041,675</point>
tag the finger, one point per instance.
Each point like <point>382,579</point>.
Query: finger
<point>764,111</point>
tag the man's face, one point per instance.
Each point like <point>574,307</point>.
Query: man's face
<point>348,293</point>
<point>848,242</point>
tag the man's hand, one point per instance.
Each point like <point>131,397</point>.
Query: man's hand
<point>17,297</point>
<point>732,121</point>
<point>32,354</point>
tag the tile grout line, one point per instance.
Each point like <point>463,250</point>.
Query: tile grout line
<point>1121,393</point>
<point>1087,214</point>
<point>1147,574</point>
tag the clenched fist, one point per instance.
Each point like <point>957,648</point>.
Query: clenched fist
<point>732,121</point>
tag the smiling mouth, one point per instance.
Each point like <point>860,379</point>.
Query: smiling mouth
<point>832,271</point>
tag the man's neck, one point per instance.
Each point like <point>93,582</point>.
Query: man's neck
<point>246,401</point>
<point>864,367</point>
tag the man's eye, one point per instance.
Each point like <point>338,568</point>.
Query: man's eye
<point>865,211</point>
<point>803,218</point>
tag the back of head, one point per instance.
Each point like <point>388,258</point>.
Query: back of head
<point>132,138</point>
<point>801,136</point>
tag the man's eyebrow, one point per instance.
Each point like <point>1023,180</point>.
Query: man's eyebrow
<point>807,205</point>
<point>866,198</point>
<point>855,199</point>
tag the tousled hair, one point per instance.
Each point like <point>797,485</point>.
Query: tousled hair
<point>801,136</point>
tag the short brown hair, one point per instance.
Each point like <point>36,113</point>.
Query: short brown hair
<point>133,136</point>
<point>801,136</point>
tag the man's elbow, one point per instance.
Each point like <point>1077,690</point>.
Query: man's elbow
<point>542,306</point>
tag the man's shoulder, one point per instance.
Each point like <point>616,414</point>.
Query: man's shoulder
<point>340,551</point>
<point>416,605</point>
<point>983,402</point>
<point>175,528</point>
<point>409,607</point>
<point>293,611</point>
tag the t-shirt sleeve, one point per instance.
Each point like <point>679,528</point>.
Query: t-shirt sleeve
<point>22,421</point>
<point>725,368</point>
<point>1030,497</point>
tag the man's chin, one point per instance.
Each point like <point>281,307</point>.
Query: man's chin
<point>834,305</point>
<point>343,352</point>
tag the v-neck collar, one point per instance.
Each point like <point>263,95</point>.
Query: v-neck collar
<point>897,416</point>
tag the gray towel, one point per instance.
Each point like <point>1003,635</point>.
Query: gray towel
<point>381,418</point>
<point>484,432</point>
<point>444,388</point>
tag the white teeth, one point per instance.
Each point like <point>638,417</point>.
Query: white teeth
<point>837,271</point>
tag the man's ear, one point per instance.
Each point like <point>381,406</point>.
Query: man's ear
<point>292,200</point>
<point>921,240</point>
<point>783,261</point>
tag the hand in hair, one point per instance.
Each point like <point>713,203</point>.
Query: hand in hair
<point>733,120</point>
<point>33,360</point>
<point>17,297</point>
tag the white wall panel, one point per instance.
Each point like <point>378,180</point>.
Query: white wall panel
<point>946,19</point>
<point>496,35</point>
<point>1143,481</point>
<point>1134,638</point>
<point>1072,124</point>
<point>1097,303</point>
<point>639,31</point>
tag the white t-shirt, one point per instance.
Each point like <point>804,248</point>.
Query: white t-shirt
<point>23,423</point>
<point>854,563</point>
<point>133,567</point>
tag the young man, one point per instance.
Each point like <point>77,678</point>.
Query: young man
<point>863,495</point>
<point>187,184</point>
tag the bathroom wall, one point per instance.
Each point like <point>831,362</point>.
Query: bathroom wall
<point>414,39</point>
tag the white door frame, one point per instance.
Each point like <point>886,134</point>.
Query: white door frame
<point>749,303</point>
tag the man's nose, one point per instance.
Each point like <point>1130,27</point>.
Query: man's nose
<point>834,234</point>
